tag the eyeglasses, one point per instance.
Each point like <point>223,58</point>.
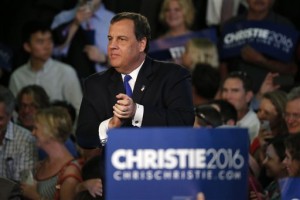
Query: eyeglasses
<point>291,116</point>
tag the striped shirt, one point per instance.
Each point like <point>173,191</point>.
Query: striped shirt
<point>17,153</point>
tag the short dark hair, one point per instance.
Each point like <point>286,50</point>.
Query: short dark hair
<point>227,110</point>
<point>206,80</point>
<point>39,95</point>
<point>141,25</point>
<point>208,116</point>
<point>32,27</point>
<point>279,146</point>
<point>244,77</point>
<point>292,144</point>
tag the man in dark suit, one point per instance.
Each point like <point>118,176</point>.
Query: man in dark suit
<point>161,91</point>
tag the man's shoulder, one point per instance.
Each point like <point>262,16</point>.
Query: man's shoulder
<point>250,118</point>
<point>64,67</point>
<point>164,65</point>
<point>166,68</point>
<point>100,77</point>
<point>22,133</point>
<point>19,71</point>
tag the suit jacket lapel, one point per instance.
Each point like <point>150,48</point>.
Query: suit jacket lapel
<point>116,85</point>
<point>142,81</point>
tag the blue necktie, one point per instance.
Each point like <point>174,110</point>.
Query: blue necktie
<point>127,86</point>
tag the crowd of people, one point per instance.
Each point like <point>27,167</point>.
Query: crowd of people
<point>87,70</point>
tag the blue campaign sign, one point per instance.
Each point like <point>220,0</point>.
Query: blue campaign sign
<point>173,47</point>
<point>177,164</point>
<point>290,188</point>
<point>274,40</point>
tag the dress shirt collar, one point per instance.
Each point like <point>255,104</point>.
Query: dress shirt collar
<point>133,75</point>
<point>9,135</point>
<point>45,67</point>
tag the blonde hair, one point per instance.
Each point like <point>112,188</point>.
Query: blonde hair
<point>187,8</point>
<point>202,50</point>
<point>56,122</point>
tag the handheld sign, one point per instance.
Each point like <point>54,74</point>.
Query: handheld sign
<point>274,40</point>
<point>176,163</point>
<point>174,47</point>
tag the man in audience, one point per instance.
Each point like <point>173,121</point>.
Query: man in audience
<point>81,36</point>
<point>58,79</point>
<point>292,111</point>
<point>18,151</point>
<point>237,89</point>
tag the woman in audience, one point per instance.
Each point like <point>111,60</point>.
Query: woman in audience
<point>270,113</point>
<point>275,168</point>
<point>177,16</point>
<point>200,50</point>
<point>59,173</point>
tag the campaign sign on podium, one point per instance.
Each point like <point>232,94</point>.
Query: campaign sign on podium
<point>176,164</point>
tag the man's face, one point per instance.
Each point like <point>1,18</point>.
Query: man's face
<point>292,116</point>
<point>234,92</point>
<point>40,46</point>
<point>4,118</point>
<point>260,5</point>
<point>27,110</point>
<point>124,51</point>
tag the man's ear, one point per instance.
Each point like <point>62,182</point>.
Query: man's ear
<point>27,47</point>
<point>142,44</point>
<point>249,96</point>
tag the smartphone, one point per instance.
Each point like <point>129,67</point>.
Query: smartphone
<point>283,80</point>
<point>265,126</point>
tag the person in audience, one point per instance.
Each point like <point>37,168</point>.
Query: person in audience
<point>57,176</point>
<point>251,60</point>
<point>81,36</point>
<point>292,111</point>
<point>200,50</point>
<point>292,155</point>
<point>237,90</point>
<point>30,99</point>
<point>17,146</point>
<point>275,168</point>
<point>271,116</point>
<point>177,16</point>
<point>207,116</point>
<point>205,83</point>
<point>58,79</point>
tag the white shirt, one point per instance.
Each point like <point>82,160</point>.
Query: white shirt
<point>251,122</point>
<point>139,113</point>
<point>58,80</point>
